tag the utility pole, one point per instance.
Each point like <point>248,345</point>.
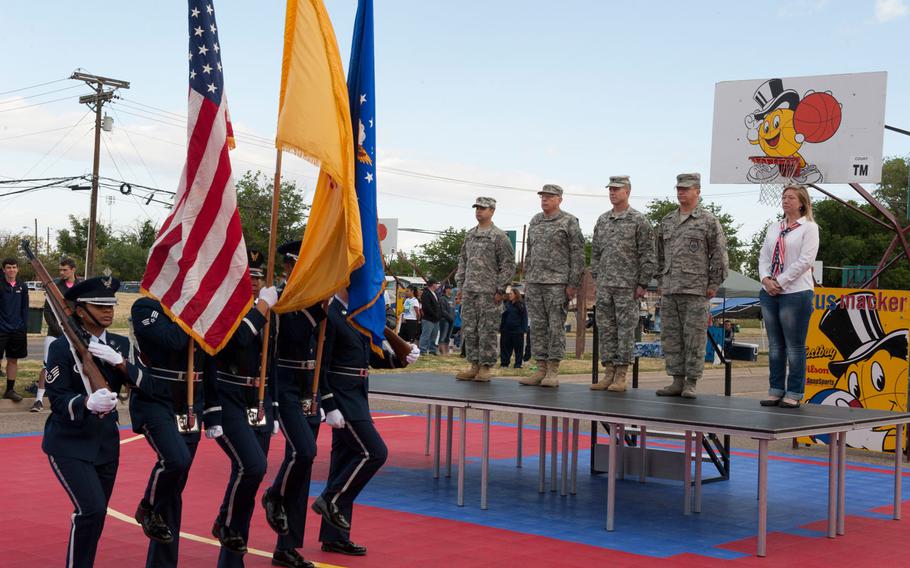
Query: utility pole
<point>95,102</point>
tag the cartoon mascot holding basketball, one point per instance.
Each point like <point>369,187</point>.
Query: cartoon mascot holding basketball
<point>781,124</point>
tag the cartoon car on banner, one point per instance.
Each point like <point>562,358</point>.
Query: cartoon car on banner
<point>782,124</point>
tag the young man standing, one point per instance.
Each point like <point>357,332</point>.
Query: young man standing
<point>66,281</point>
<point>13,318</point>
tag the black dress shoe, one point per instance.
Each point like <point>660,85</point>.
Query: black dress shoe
<point>290,558</point>
<point>330,514</point>
<point>153,525</point>
<point>785,404</point>
<point>770,402</point>
<point>229,538</point>
<point>275,514</point>
<point>344,547</point>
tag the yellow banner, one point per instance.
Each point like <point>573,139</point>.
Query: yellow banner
<point>856,356</point>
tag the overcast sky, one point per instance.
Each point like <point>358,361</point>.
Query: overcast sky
<point>504,96</point>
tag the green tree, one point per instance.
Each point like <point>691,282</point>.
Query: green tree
<point>439,257</point>
<point>753,250</point>
<point>254,200</point>
<point>892,191</point>
<point>736,248</point>
<point>127,254</point>
<point>73,241</point>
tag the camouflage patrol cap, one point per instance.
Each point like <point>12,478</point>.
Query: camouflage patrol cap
<point>619,181</point>
<point>688,180</point>
<point>485,202</point>
<point>552,189</point>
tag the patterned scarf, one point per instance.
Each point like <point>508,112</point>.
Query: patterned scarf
<point>780,248</point>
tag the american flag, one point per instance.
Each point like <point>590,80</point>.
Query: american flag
<point>198,266</point>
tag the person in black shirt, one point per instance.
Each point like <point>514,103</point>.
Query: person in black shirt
<point>512,329</point>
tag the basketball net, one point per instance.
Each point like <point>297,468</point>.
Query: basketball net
<point>772,174</point>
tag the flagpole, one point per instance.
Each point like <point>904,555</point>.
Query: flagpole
<point>269,281</point>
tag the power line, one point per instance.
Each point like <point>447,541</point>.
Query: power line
<point>57,143</point>
<point>71,87</point>
<point>35,104</point>
<point>32,86</point>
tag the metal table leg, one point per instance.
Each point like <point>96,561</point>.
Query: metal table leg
<point>554,453</point>
<point>621,448</point>
<point>565,457</point>
<point>898,453</point>
<point>841,481</point>
<point>426,451</point>
<point>687,475</point>
<point>699,436</point>
<point>643,449</point>
<point>542,469</point>
<point>436,442</point>
<point>462,439</point>
<point>450,416</point>
<point>762,497</point>
<point>832,485</point>
<point>576,425</point>
<point>611,478</point>
<point>521,423</point>
<point>485,460</point>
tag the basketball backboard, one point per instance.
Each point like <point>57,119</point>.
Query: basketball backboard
<point>833,124</point>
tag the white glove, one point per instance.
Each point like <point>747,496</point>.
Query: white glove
<point>752,134</point>
<point>101,401</point>
<point>334,419</point>
<point>321,414</point>
<point>750,121</point>
<point>106,353</point>
<point>275,427</point>
<point>269,296</point>
<point>413,355</point>
<point>213,432</point>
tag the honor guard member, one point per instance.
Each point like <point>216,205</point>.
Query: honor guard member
<point>286,500</point>
<point>357,448</point>
<point>241,435</point>
<point>691,266</point>
<point>159,412</point>
<point>622,263</point>
<point>486,265</point>
<point>81,436</point>
<point>554,263</point>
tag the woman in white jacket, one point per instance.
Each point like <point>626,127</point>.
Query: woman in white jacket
<point>785,268</point>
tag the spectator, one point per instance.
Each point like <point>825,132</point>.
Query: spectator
<point>448,318</point>
<point>785,268</point>
<point>66,281</point>
<point>512,329</point>
<point>13,318</point>
<point>410,316</point>
<point>432,313</point>
<point>729,334</point>
<point>456,322</point>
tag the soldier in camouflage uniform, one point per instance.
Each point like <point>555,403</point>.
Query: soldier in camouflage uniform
<point>554,262</point>
<point>622,263</point>
<point>486,265</point>
<point>691,266</point>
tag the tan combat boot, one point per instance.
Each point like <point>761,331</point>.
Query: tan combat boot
<point>551,379</point>
<point>469,374</point>
<point>535,379</point>
<point>604,382</point>
<point>619,381</point>
<point>688,390</point>
<point>674,389</point>
<point>483,375</point>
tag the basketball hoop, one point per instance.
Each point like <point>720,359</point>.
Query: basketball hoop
<point>773,173</point>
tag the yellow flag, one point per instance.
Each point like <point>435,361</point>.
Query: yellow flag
<point>314,122</point>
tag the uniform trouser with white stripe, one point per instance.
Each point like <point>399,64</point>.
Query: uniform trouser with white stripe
<point>357,454</point>
<point>247,449</point>
<point>292,483</point>
<point>164,492</point>
<point>89,487</point>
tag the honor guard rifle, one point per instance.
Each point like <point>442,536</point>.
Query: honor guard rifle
<point>76,336</point>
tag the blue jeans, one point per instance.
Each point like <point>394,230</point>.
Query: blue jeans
<point>429,331</point>
<point>787,322</point>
